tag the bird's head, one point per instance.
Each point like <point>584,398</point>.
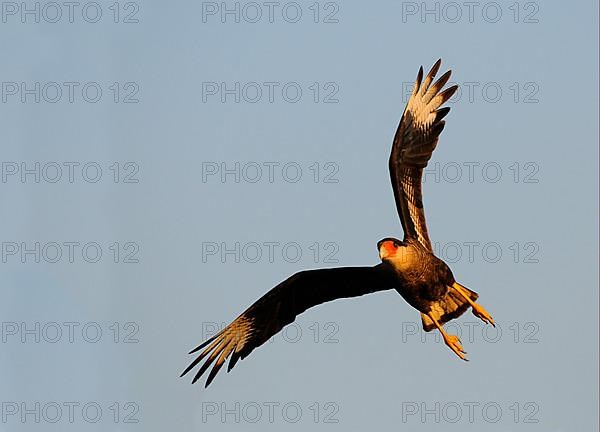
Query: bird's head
<point>388,247</point>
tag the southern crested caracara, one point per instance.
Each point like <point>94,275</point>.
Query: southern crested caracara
<point>408,266</point>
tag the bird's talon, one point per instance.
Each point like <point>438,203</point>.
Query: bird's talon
<point>454,344</point>
<point>482,314</point>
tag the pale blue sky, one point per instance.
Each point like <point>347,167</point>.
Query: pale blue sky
<point>376,373</point>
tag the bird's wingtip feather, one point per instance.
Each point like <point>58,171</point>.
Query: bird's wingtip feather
<point>203,344</point>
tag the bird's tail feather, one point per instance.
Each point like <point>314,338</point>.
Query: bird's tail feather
<point>451,306</point>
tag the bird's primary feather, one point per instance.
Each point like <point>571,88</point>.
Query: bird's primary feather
<point>280,306</point>
<point>416,138</point>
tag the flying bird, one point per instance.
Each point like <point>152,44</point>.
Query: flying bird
<point>409,266</point>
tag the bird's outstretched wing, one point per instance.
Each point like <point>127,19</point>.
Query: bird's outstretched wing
<point>414,142</point>
<point>281,305</point>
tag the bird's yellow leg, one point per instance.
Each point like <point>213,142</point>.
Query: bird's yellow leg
<point>452,341</point>
<point>478,310</point>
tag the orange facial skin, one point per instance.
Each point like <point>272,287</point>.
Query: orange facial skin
<point>388,249</point>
